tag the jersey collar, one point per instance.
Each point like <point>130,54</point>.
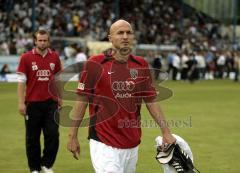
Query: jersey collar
<point>108,57</point>
<point>34,51</point>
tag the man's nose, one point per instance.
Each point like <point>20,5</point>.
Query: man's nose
<point>125,35</point>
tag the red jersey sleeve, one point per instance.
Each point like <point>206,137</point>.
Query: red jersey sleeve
<point>22,67</point>
<point>88,78</point>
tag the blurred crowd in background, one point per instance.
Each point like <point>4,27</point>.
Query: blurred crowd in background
<point>198,37</point>
<point>154,22</point>
<point>198,65</point>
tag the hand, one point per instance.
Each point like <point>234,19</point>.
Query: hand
<point>22,108</point>
<point>74,147</point>
<point>60,103</point>
<point>168,138</point>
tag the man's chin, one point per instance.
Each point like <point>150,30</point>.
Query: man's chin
<point>125,50</point>
<point>42,48</point>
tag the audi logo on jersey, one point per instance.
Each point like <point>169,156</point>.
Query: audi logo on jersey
<point>43,73</point>
<point>123,85</point>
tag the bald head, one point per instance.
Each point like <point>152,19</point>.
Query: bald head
<point>118,24</point>
<point>121,36</point>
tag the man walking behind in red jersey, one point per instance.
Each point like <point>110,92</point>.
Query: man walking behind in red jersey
<point>36,69</point>
<point>114,86</point>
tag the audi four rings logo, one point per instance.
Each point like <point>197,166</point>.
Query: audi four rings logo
<point>123,85</point>
<point>43,73</point>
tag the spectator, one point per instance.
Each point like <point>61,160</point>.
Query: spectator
<point>184,66</point>
<point>201,65</point>
<point>192,69</point>
<point>221,61</point>
<point>210,65</point>
<point>12,48</point>
<point>5,70</point>
<point>80,56</point>
<point>157,65</point>
<point>175,66</point>
<point>229,66</point>
<point>70,52</point>
<point>4,49</point>
<point>236,66</point>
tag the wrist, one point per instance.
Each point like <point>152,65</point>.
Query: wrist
<point>72,136</point>
<point>166,131</point>
<point>21,103</point>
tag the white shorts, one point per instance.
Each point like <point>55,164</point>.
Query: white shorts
<point>107,159</point>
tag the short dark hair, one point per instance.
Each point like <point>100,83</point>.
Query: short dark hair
<point>41,32</point>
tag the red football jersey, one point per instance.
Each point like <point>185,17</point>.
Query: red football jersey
<point>39,72</point>
<point>115,91</point>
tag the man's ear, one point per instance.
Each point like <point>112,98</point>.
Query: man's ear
<point>109,38</point>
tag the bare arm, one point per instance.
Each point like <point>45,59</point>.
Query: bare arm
<point>158,116</point>
<point>21,98</point>
<point>78,114</point>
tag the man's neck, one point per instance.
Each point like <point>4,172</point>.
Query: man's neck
<point>41,52</point>
<point>121,57</point>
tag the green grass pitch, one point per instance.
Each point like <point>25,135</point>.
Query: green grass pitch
<point>213,132</point>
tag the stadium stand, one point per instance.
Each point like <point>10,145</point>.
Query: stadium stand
<point>163,22</point>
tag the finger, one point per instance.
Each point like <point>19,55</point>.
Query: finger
<point>76,155</point>
<point>163,146</point>
<point>59,107</point>
<point>69,147</point>
<point>22,113</point>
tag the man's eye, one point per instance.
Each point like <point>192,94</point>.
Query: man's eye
<point>120,32</point>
